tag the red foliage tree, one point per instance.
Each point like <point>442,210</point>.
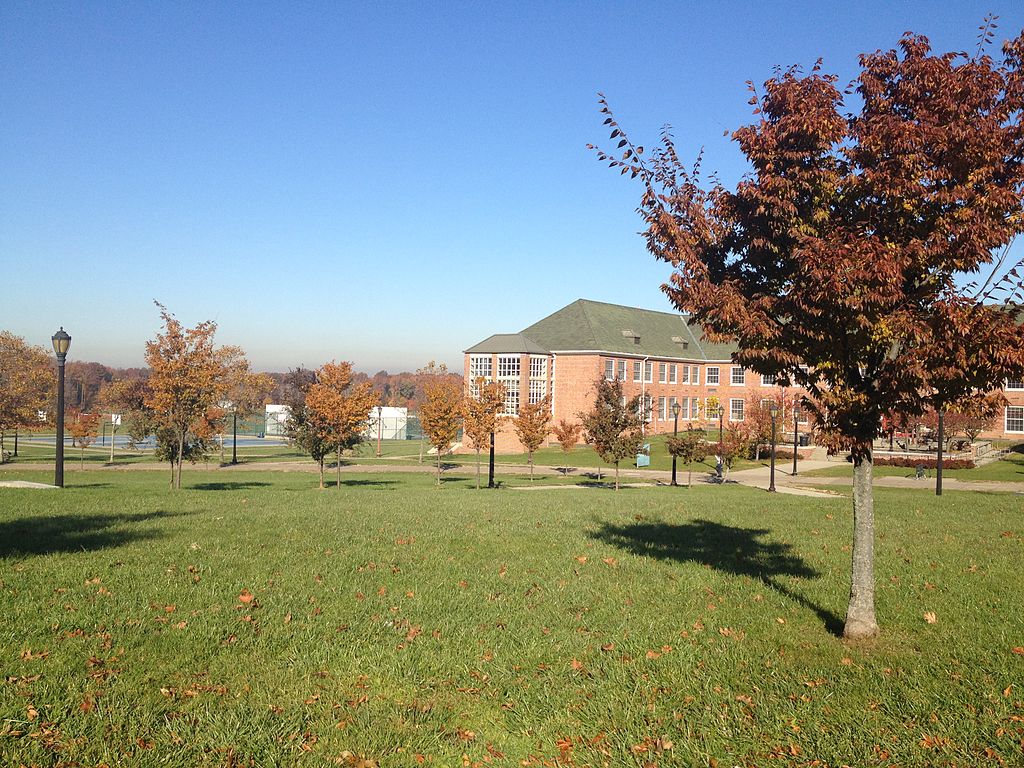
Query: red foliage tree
<point>843,247</point>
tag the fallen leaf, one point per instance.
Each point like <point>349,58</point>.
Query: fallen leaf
<point>608,647</point>
<point>929,616</point>
<point>610,561</point>
<point>246,596</point>
<point>581,558</point>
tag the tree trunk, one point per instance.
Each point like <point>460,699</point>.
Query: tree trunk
<point>478,467</point>
<point>81,460</point>
<point>616,475</point>
<point>181,455</point>
<point>531,466</point>
<point>689,475</point>
<point>2,457</point>
<point>339,467</point>
<point>321,473</point>
<point>439,466</point>
<point>860,614</point>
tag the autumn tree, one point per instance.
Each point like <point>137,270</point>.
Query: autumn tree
<point>844,246</point>
<point>613,426</point>
<point>84,428</point>
<point>567,433</point>
<point>758,422</point>
<point>532,426</point>
<point>689,448</point>
<point>339,409</point>
<point>441,414</point>
<point>27,383</point>
<point>185,384</point>
<point>481,415</point>
<point>735,443</point>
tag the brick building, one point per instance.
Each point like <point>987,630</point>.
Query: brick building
<point>660,356</point>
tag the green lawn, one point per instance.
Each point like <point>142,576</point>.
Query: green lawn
<point>254,620</point>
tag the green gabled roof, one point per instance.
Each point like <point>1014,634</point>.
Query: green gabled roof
<point>597,326</point>
<point>594,326</point>
<point>505,343</point>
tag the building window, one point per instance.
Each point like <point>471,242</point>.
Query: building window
<point>662,373</point>
<point>662,412</point>
<point>648,372</point>
<point>648,406</point>
<point>712,374</point>
<point>768,380</point>
<point>738,376</point>
<point>694,374</point>
<point>1015,385</point>
<point>694,407</point>
<point>673,374</point>
<point>508,374</point>
<point>479,367</point>
<point>538,378</point>
<point>671,402</point>
<point>622,370</point>
<point>686,374</point>
<point>1015,418</point>
<point>609,370</point>
<point>636,370</point>
<point>736,410</point>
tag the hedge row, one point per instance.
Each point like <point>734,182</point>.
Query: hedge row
<point>914,462</point>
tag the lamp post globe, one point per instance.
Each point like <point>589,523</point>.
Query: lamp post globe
<point>61,344</point>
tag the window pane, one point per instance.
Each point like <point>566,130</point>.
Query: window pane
<point>1015,418</point>
<point>609,370</point>
<point>735,410</point>
<point>712,375</point>
<point>737,375</point>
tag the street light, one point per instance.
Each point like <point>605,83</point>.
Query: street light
<point>721,440</point>
<point>796,427</point>
<point>773,411</point>
<point>234,433</point>
<point>675,433</point>
<point>380,427</point>
<point>61,345</point>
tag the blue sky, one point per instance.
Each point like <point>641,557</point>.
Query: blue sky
<point>386,183</point>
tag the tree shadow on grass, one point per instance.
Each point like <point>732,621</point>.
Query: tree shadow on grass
<point>362,483</point>
<point>43,535</point>
<point>228,485</point>
<point>737,551</point>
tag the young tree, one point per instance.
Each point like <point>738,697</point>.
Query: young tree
<point>843,246</point>
<point>758,422</point>
<point>339,408</point>
<point>127,397</point>
<point>186,381</point>
<point>689,448</point>
<point>27,384</point>
<point>84,428</point>
<point>441,414</point>
<point>735,443</point>
<point>568,435</point>
<point>531,426</point>
<point>480,416</point>
<point>613,426</point>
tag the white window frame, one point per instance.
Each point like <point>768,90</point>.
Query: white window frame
<point>733,409</point>
<point>767,380</point>
<point>649,372</point>
<point>742,377</point>
<point>477,369</point>
<point>673,374</point>
<point>1014,386</point>
<point>672,401</point>
<point>1019,409</point>
<point>717,375</point>
<point>508,367</point>
<point>609,370</point>
<point>694,408</point>
<point>622,370</point>
<point>538,378</point>
<point>662,405</point>
<point>663,373</point>
<point>694,374</point>
<point>637,370</point>
<point>509,371</point>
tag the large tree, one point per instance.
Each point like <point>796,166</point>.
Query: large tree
<point>614,425</point>
<point>27,384</point>
<point>846,245</point>
<point>185,384</point>
<point>481,415</point>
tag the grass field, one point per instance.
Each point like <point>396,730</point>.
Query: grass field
<point>1010,469</point>
<point>258,621</point>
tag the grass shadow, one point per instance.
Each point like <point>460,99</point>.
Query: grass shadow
<point>43,535</point>
<point>729,549</point>
<point>228,485</point>
<point>362,483</point>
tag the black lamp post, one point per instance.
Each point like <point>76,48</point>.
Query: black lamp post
<point>675,433</point>
<point>796,427</point>
<point>61,344</point>
<point>938,458</point>
<point>490,464</point>
<point>721,440</point>
<point>773,410</point>
<point>234,433</point>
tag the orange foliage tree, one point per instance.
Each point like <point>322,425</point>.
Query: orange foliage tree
<point>532,426</point>
<point>338,410</point>
<point>843,248</point>
<point>27,383</point>
<point>84,428</point>
<point>568,435</point>
<point>245,392</point>
<point>481,416</point>
<point>441,414</point>
<point>185,384</point>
